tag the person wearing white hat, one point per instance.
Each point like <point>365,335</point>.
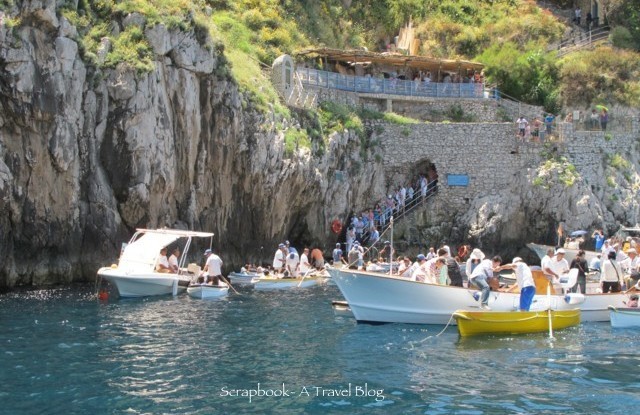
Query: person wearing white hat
<point>524,280</point>
<point>212,268</point>
<point>474,259</point>
<point>479,278</point>
<point>279,258</point>
<point>631,267</point>
<point>558,266</point>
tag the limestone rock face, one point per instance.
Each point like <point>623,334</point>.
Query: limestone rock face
<point>87,156</point>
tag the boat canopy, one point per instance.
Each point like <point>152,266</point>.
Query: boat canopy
<point>141,254</point>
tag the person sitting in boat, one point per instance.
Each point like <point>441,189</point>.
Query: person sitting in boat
<point>524,280</point>
<point>373,266</point>
<point>212,268</point>
<point>404,269</point>
<point>292,263</point>
<point>162,264</point>
<point>173,260</point>
<point>279,258</point>
<point>545,264</point>
<point>435,272</point>
<point>631,267</point>
<point>419,269</point>
<point>633,301</point>
<point>305,265</point>
<point>594,265</point>
<point>480,275</point>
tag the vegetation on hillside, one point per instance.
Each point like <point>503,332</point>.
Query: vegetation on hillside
<point>511,37</point>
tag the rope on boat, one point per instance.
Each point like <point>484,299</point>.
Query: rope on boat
<point>437,335</point>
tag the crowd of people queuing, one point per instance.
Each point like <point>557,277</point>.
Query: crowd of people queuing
<point>365,228</point>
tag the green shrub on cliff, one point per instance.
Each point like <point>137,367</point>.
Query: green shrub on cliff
<point>556,170</point>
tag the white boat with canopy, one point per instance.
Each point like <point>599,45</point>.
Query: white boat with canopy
<point>135,274</point>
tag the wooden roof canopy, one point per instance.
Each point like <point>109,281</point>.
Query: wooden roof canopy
<point>395,59</point>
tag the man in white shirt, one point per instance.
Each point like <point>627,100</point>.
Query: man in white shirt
<point>479,277</point>
<point>292,261</point>
<point>212,267</point>
<point>524,280</point>
<point>631,267</point>
<point>305,265</point>
<point>162,264</point>
<point>173,260</point>
<point>418,269</point>
<point>279,258</point>
<point>545,264</point>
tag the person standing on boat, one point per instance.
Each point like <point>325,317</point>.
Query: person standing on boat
<point>524,280</point>
<point>317,259</point>
<point>162,264</point>
<point>173,260</point>
<point>479,278</point>
<point>559,266</point>
<point>454,276</point>
<point>475,258</point>
<point>212,267</point>
<point>611,275</point>
<point>279,258</point>
<point>305,265</point>
<point>336,255</point>
<point>580,263</point>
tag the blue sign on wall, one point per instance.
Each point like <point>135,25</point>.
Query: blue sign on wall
<point>458,180</point>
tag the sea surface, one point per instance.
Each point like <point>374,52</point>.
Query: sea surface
<point>65,352</point>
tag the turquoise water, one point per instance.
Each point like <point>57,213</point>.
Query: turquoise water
<point>65,353</point>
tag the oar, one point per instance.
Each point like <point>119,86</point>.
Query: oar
<point>303,277</point>
<point>229,284</point>
<point>549,310</point>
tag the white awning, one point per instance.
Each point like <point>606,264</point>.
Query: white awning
<point>141,255</point>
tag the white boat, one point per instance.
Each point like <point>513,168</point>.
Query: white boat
<point>623,317</point>
<point>207,291</point>
<point>243,278</point>
<point>570,254</point>
<point>375,297</point>
<point>135,275</point>
<point>280,283</point>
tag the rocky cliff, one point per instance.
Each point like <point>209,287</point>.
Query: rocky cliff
<point>88,155</point>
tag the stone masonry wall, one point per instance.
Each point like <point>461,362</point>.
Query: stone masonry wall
<point>498,167</point>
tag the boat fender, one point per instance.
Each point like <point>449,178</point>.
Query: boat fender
<point>477,295</point>
<point>574,298</point>
<point>336,226</point>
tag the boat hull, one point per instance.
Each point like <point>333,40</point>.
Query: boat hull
<point>474,323</point>
<point>242,278</point>
<point>285,283</point>
<point>207,291</point>
<point>143,285</point>
<point>381,298</point>
<point>622,317</point>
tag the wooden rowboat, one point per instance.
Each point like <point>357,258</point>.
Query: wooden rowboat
<point>207,291</point>
<point>267,283</point>
<point>471,323</point>
<point>624,317</point>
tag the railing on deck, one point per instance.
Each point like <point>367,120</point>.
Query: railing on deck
<point>370,85</point>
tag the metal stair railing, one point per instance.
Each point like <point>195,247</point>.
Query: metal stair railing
<point>399,212</point>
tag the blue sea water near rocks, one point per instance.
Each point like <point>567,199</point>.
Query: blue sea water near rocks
<point>64,352</point>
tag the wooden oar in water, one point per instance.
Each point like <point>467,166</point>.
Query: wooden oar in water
<point>303,277</point>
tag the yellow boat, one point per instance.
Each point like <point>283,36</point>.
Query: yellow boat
<point>472,323</point>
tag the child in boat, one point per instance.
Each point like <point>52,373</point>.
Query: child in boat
<point>633,301</point>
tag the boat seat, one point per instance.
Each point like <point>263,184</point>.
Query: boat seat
<point>567,281</point>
